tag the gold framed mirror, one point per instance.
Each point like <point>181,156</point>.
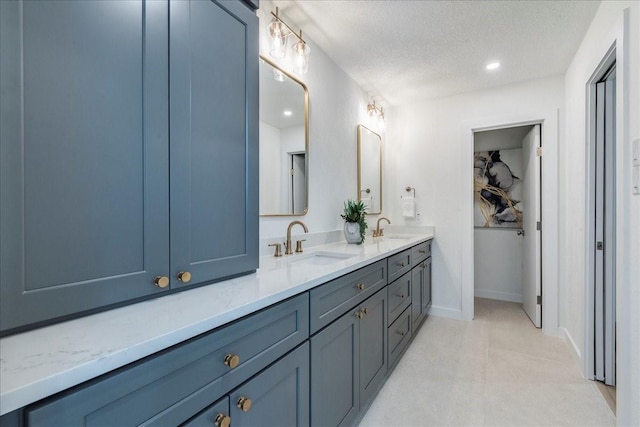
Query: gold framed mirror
<point>284,142</point>
<point>370,169</point>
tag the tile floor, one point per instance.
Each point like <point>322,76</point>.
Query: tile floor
<point>498,370</point>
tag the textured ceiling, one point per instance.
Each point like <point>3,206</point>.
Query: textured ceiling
<point>403,51</point>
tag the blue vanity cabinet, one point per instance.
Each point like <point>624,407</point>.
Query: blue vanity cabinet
<point>278,396</point>
<point>348,363</point>
<point>421,286</point>
<point>213,139</point>
<point>128,152</point>
<point>83,149</point>
<point>174,385</point>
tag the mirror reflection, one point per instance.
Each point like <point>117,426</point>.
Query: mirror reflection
<point>284,142</point>
<point>370,169</point>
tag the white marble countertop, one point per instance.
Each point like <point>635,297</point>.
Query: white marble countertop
<point>42,362</point>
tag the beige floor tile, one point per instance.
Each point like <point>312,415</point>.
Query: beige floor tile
<point>498,370</point>
<point>546,405</point>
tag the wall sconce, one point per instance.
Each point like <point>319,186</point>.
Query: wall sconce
<point>376,112</point>
<point>279,32</point>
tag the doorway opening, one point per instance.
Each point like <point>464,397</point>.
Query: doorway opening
<point>600,345</point>
<point>298,182</point>
<point>507,217</point>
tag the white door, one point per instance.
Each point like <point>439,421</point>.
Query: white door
<point>531,263</point>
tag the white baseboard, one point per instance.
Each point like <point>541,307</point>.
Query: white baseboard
<point>502,296</point>
<point>575,351</point>
<point>449,313</point>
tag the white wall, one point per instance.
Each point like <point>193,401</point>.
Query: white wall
<point>270,168</point>
<point>611,25</point>
<point>337,106</point>
<point>424,147</point>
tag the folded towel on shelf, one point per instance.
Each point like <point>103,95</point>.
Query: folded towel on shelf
<point>408,206</point>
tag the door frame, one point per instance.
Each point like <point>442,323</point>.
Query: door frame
<point>548,121</point>
<point>590,218</point>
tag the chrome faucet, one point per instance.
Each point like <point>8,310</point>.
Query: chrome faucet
<point>378,232</point>
<point>288,250</point>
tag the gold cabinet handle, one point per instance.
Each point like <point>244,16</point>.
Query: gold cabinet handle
<point>244,403</point>
<point>358,314</point>
<point>422,251</point>
<point>361,286</point>
<point>231,360</point>
<point>423,265</point>
<point>161,281</point>
<point>401,264</point>
<point>365,311</point>
<point>400,295</point>
<point>222,420</point>
<point>184,276</point>
<point>401,333</point>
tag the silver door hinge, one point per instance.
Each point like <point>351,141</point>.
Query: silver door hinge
<point>600,246</point>
<point>539,151</point>
<point>539,225</point>
<point>539,300</point>
<point>292,172</point>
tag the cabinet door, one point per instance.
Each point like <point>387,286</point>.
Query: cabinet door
<point>426,286</point>
<point>417,297</point>
<point>83,155</point>
<point>335,373</point>
<point>278,396</point>
<point>373,345</point>
<point>214,139</point>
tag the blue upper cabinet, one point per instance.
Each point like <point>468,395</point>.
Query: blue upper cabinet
<point>214,139</point>
<point>87,158</point>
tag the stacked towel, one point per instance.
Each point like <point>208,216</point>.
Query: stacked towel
<point>408,206</point>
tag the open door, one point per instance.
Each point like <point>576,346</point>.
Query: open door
<point>532,259</point>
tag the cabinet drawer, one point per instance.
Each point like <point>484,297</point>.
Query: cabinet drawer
<point>399,336</point>
<point>420,252</point>
<point>333,299</point>
<point>399,296</point>
<point>172,386</point>
<point>399,264</point>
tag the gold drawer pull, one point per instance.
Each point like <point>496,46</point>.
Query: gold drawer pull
<point>184,276</point>
<point>161,281</point>
<point>361,286</point>
<point>401,333</point>
<point>244,403</point>
<point>364,311</point>
<point>422,251</point>
<point>400,295</point>
<point>222,420</point>
<point>358,314</point>
<point>231,360</point>
<point>401,264</point>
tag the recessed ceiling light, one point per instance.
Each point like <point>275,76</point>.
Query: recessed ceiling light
<point>287,112</point>
<point>493,65</point>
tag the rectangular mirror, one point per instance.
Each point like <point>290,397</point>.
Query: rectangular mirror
<point>284,142</point>
<point>370,169</point>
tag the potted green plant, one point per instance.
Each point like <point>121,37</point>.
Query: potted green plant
<point>355,224</point>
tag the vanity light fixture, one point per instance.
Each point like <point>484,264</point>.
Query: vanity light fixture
<point>376,112</point>
<point>279,32</point>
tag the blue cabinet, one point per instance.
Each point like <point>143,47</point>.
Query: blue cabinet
<point>421,292</point>
<point>172,386</point>
<point>349,363</point>
<point>124,126</point>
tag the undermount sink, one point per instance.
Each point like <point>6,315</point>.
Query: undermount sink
<point>318,258</point>
<point>400,236</point>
